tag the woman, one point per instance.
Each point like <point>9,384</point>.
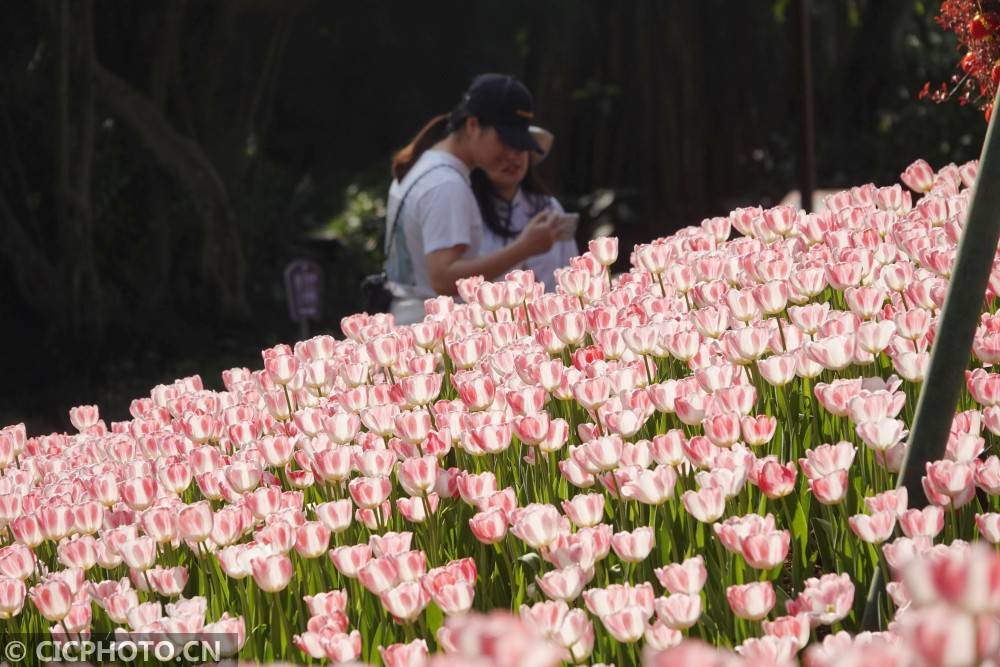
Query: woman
<point>434,227</point>
<point>509,196</point>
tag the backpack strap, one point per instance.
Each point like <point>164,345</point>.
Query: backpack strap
<point>391,236</point>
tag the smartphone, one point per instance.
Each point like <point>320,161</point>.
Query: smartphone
<point>567,225</point>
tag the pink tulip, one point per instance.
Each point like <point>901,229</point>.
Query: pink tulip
<point>454,598</point>
<point>604,601</point>
<point>768,650</point>
<point>604,250</point>
<point>390,544</point>
<point>160,523</point>
<point>410,565</point>
<point>489,527</point>
<point>690,408</point>
<point>79,552</point>
<point>83,417</point>
<point>326,604</point>
<point>700,451</point>
<point>406,601</point>
<point>766,550</point>
<point>722,429</point>
<point>602,454</point>
<point>918,176</point>
<point>585,510</point>
<point>272,573</point>
<point>729,477</point>
<point>139,554</point>
<point>828,459</point>
<point>194,522</point>
<point>660,637</point>
<point>633,547</point>
<point>882,434</point>
<point>795,628</point>
<point>350,559</point>
<point>231,632</point>
<point>564,584</point>
<point>940,636</point>
<point>278,535</point>
<point>688,577</point>
<point>902,551</point>
<point>418,475</point>
<point>911,366</point>
<point>52,599</point>
<point>989,526</point>
<point>547,616</point>
<point>949,483</point>
<point>875,528</point>
<point>537,526</point>
<point>926,522</point>
<point>379,575</point>
<point>626,626</point>
<point>734,530</point>
<point>343,647</point>
<point>679,611</point>
<point>772,478</point>
<point>651,487</point>
<point>826,600</point>
<point>168,582</point>
<point>413,509</point>
<point>751,601</point>
<point>243,476</point>
<point>228,524</point>
<point>413,654</point>
<point>335,515</point>
<point>705,505</point>
<point>12,595</point>
<point>88,517</point>
<point>138,492</point>
<point>830,489</point>
<point>312,539</point>
<point>758,430</point>
<point>473,487</point>
<point>778,370</point>
<point>422,389</point>
<point>370,492</point>
<point>736,397</point>
<point>413,426</point>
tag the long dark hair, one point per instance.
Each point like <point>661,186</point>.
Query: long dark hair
<point>534,189</point>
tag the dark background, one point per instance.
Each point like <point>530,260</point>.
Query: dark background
<point>161,161</point>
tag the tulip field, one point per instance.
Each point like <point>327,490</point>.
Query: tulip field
<point>691,463</point>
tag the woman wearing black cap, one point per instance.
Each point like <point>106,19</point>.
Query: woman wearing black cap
<point>434,224</point>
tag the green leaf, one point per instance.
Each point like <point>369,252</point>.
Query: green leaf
<point>376,641</point>
<point>435,618</point>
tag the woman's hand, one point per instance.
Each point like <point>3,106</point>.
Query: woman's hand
<point>539,234</point>
<point>446,266</point>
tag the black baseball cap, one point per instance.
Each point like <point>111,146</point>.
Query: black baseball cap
<point>504,103</point>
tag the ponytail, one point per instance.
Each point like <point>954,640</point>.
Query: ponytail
<point>433,132</point>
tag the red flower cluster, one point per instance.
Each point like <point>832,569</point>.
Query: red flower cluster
<point>976,24</point>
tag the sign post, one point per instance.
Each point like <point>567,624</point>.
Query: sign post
<point>304,290</point>
<point>956,330</point>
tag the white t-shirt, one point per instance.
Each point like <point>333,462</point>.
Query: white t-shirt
<point>520,210</point>
<point>440,212</point>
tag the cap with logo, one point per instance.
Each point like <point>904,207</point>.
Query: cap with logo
<point>503,102</point>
